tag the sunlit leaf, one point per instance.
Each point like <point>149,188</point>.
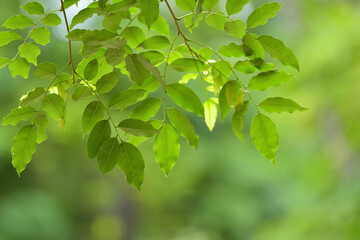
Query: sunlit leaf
<point>210,114</point>
<point>32,96</point>
<point>82,16</point>
<point>279,104</point>
<point>30,51</point>
<point>45,70</point>
<point>238,120</point>
<point>107,82</point>
<point>19,114</point>
<point>33,8</point>
<point>19,66</point>
<point>187,5</point>
<point>265,80</point>
<point>235,6</point>
<point>41,122</point>
<point>150,11</point>
<point>51,20</point>
<point>8,36</point>
<point>262,14</point>
<point>91,70</point>
<point>126,98</point>
<point>18,22</point>
<point>41,35</point>
<point>54,105</point>
<point>146,109</point>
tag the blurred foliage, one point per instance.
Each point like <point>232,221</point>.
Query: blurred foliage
<point>225,190</point>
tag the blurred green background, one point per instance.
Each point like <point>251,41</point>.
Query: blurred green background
<point>226,190</point>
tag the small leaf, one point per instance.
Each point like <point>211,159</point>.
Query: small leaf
<point>152,69</point>
<point>132,164</point>
<point>107,82</point>
<point>18,22</point>
<point>114,56</point>
<point>98,135</point>
<point>30,51</point>
<point>182,123</point>
<point>138,127</point>
<point>279,104</point>
<point>185,98</point>
<point>167,148</point>
<point>112,22</point>
<point>51,20</point>
<point>262,14</point>
<point>154,57</point>
<point>4,62</point>
<point>19,114</point>
<point>41,35</point>
<point>23,147</point>
<point>8,36</point>
<point>209,4</point>
<point>54,105</point>
<point>232,50</point>
<point>41,122</point>
<point>91,70</point>
<point>155,42</point>
<point>161,26</point>
<point>265,136</point>
<point>81,93</point>
<point>187,65</point>
<point>93,113</point>
<point>146,109</point>
<point>108,155</point>
<point>34,8</point>
<point>265,80</point>
<point>187,5</point>
<point>69,3</point>
<point>82,16</point>
<point>138,73</point>
<point>45,70</point>
<point>210,114</point>
<point>278,50</point>
<point>187,77</point>
<point>251,43</point>
<point>235,28</point>
<point>19,66</point>
<point>133,35</point>
<point>217,20</point>
<point>31,96</point>
<point>245,67</point>
<point>150,11</point>
<point>235,6</point>
<point>125,98</point>
<point>238,120</point>
<point>227,97</point>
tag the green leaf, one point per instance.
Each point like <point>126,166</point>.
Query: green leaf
<point>262,14</point>
<point>154,57</point>
<point>152,69</point>
<point>161,26</point>
<point>18,22</point>
<point>138,127</point>
<point>32,96</point>
<point>235,28</point>
<point>232,50</point>
<point>34,8</point>
<point>265,136</point>
<point>167,148</point>
<point>265,80</point>
<point>121,5</point>
<point>132,164</point>
<point>235,6</point>
<point>146,109</point>
<point>45,70</point>
<point>182,123</point>
<point>108,155</point>
<point>125,98</point>
<point>279,104</point>
<point>91,70</point>
<point>245,67</point>
<point>54,105</point>
<point>51,20</point>
<point>197,16</point>
<point>150,11</point>
<point>30,51</point>
<point>69,3</point>
<point>138,73</point>
<point>23,147</point>
<point>254,45</point>
<point>4,62</point>
<point>93,113</point>
<point>217,20</point>
<point>107,82</point>
<point>209,4</point>
<point>210,114</point>
<point>187,5</point>
<point>19,114</point>
<point>82,16</point>
<point>187,77</point>
<point>227,97</point>
<point>278,50</point>
<point>114,56</point>
<point>155,42</point>
<point>112,22</point>
<point>157,124</point>
<point>185,98</point>
<point>41,122</point>
<point>41,35</point>
<point>20,67</point>
<point>133,35</point>
<point>187,65</point>
<point>7,37</point>
<point>81,93</point>
<point>238,120</point>
<point>98,135</point>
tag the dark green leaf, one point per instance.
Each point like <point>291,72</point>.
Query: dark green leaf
<point>238,120</point>
<point>98,135</point>
<point>146,109</point>
<point>93,113</point>
<point>167,148</point>
<point>187,65</point>
<point>81,93</point>
<point>132,164</point>
<point>41,122</point>
<point>254,45</point>
<point>245,67</point>
<point>138,127</point>
<point>138,73</point>
<point>227,97</point>
<point>91,70</point>
<point>154,57</point>
<point>155,42</point>
<point>23,147</point>
<point>185,98</point>
<point>108,155</point>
